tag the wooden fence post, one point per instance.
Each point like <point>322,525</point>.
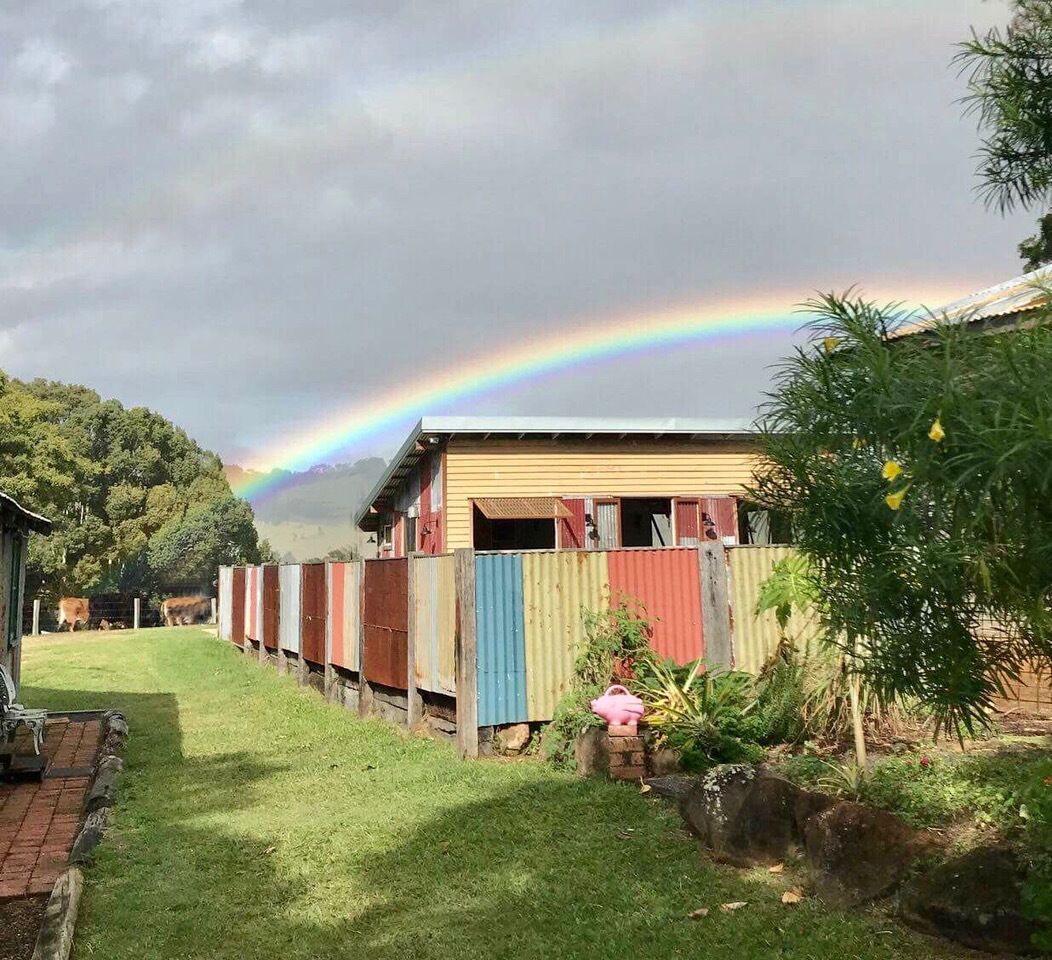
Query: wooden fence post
<point>36,617</point>
<point>135,613</point>
<point>467,654</point>
<point>414,700</point>
<point>215,611</point>
<point>715,605</point>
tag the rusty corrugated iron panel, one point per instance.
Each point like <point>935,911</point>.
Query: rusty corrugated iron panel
<point>385,622</point>
<point>667,582</point>
<point>269,616</point>
<point>435,615</point>
<point>756,637</point>
<point>686,519</point>
<point>289,580</point>
<point>237,606</point>
<point>499,633</point>
<point>313,612</point>
<point>719,519</point>
<point>557,589</point>
<point>342,620</point>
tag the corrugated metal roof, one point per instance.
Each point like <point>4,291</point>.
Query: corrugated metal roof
<point>1007,299</point>
<point>32,520</point>
<point>522,508</point>
<point>430,431</point>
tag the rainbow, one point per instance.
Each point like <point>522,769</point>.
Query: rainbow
<point>511,365</point>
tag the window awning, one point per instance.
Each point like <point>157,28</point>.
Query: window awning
<point>522,508</point>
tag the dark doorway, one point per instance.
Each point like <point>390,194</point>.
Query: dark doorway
<point>512,534</point>
<point>646,522</point>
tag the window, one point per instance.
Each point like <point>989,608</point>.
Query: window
<point>512,534</point>
<point>646,522</point>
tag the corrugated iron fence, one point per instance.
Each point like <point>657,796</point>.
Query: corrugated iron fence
<point>401,624</point>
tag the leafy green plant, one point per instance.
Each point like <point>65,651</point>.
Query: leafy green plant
<point>616,641</point>
<point>847,780</point>
<point>704,714</point>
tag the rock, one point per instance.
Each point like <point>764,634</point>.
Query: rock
<point>674,787</point>
<point>975,900</point>
<point>512,739</point>
<point>592,752</point>
<point>857,853</point>
<point>744,819</point>
<point>809,804</point>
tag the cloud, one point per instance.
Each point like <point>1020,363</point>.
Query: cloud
<point>257,213</point>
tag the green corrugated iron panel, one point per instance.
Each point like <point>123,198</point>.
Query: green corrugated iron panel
<point>435,620</point>
<point>557,590</point>
<point>757,637</point>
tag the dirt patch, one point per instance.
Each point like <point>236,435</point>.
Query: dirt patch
<point>20,922</point>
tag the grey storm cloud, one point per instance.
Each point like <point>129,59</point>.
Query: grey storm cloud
<point>249,215</point>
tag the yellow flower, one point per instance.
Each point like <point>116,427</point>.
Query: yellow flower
<point>830,343</point>
<point>891,470</point>
<point>894,500</point>
<point>936,432</point>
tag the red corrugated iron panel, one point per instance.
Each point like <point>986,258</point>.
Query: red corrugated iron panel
<point>667,582</point>
<point>237,606</point>
<point>313,602</point>
<point>271,606</point>
<point>385,622</point>
<point>571,528</point>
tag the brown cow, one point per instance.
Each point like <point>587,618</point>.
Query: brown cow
<point>73,610</point>
<point>176,611</point>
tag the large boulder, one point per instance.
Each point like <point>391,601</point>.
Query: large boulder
<point>744,818</point>
<point>856,853</point>
<point>975,899</point>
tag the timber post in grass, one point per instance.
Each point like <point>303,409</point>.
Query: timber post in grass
<point>467,654</point>
<point>36,617</point>
<point>715,605</point>
<point>415,703</point>
<point>136,603</point>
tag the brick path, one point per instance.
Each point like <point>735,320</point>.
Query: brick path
<point>40,821</point>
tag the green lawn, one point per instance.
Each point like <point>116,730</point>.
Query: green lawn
<point>257,821</point>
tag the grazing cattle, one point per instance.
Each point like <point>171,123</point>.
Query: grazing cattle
<point>182,611</point>
<point>73,610</point>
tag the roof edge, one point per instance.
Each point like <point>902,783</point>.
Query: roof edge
<point>34,521</point>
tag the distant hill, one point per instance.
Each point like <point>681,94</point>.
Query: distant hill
<point>314,513</point>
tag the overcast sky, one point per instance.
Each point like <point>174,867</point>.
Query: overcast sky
<point>248,215</point>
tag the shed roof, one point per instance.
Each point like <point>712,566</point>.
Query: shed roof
<point>995,306</point>
<point>433,430</point>
<point>32,520</point>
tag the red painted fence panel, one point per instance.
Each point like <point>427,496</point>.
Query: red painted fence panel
<point>571,529</point>
<point>667,582</point>
<point>271,606</point>
<point>385,622</point>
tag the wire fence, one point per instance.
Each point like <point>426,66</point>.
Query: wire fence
<point>118,611</point>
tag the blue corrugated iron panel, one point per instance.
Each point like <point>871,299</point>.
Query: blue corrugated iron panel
<point>500,634</point>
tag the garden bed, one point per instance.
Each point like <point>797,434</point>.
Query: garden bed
<point>19,923</point>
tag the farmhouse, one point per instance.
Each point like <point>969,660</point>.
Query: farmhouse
<point>15,525</point>
<point>522,483</point>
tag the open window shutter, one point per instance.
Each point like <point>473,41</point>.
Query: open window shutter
<point>571,529</point>
<point>686,523</point>
<point>719,519</point>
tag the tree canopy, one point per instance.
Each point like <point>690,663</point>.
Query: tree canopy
<point>138,505</point>
<point>917,475</point>
<point>1010,90</point>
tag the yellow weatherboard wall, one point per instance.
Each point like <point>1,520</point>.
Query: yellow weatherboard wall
<point>556,468</point>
